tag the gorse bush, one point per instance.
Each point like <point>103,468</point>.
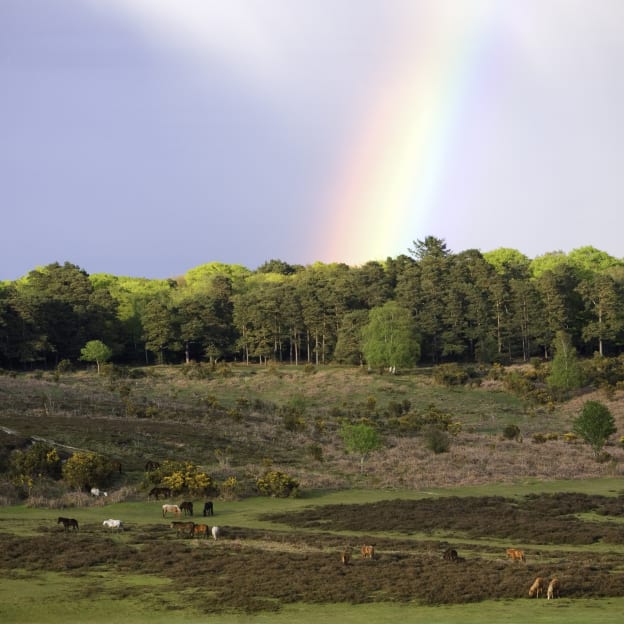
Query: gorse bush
<point>450,375</point>
<point>181,477</point>
<point>83,470</point>
<point>39,460</point>
<point>278,484</point>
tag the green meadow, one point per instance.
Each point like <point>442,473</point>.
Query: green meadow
<point>107,593</point>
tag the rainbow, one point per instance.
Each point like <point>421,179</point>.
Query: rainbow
<point>388,189</point>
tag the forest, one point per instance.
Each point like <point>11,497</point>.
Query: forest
<point>429,306</point>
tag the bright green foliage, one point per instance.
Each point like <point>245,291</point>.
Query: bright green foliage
<point>40,460</point>
<point>566,373</point>
<point>389,339</point>
<point>278,484</point>
<point>548,262</point>
<point>96,351</point>
<point>589,260</point>
<point>595,424</point>
<point>85,469</point>
<point>506,260</point>
<point>360,439</point>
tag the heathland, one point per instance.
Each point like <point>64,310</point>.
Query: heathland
<point>506,472</point>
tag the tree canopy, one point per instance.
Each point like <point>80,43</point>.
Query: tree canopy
<point>432,306</point>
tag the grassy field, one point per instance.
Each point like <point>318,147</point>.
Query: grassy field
<point>279,558</point>
<point>51,585</point>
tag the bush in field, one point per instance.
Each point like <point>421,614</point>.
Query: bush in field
<point>278,484</point>
<point>436,440</point>
<point>595,424</point>
<point>40,460</point>
<point>511,432</point>
<point>231,488</point>
<point>182,477</point>
<point>83,470</point>
<point>603,371</point>
<point>450,375</point>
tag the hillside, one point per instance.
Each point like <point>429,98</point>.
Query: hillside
<point>241,420</point>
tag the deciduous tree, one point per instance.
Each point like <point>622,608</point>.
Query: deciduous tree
<point>595,424</point>
<point>96,351</point>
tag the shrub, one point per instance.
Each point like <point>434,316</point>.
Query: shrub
<point>315,451</point>
<point>277,484</point>
<point>511,432</point>
<point>436,440</point>
<point>230,488</point>
<point>182,477</point>
<point>450,375</point>
<point>39,460</point>
<point>82,470</point>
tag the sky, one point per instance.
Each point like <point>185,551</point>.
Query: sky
<point>147,137</point>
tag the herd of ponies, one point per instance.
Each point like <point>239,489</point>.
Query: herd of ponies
<point>540,586</point>
<point>189,528</point>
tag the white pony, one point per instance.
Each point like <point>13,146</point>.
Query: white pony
<point>215,531</point>
<point>113,524</point>
<point>174,509</point>
<point>98,492</point>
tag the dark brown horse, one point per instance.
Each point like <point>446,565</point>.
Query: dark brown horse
<point>165,492</point>
<point>150,466</point>
<point>68,523</point>
<point>187,508</point>
<point>208,509</point>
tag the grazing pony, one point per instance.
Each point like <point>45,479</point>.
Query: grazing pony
<point>187,508</point>
<point>68,523</point>
<point>345,556</point>
<point>368,552</point>
<point>183,527</point>
<point>553,589</point>
<point>538,587</point>
<point>215,532</point>
<point>158,491</point>
<point>450,554</point>
<point>174,509</point>
<point>515,554</point>
<point>97,492</point>
<point>200,530</point>
<point>113,524</point>
<point>208,509</point>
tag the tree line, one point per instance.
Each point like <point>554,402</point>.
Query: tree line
<point>430,305</point>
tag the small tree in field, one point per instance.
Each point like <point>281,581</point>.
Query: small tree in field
<point>565,373</point>
<point>595,424</point>
<point>360,439</point>
<point>96,351</point>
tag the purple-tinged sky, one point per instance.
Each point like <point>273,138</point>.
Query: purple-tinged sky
<point>147,137</point>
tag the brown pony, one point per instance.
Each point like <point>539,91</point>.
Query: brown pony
<point>368,552</point>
